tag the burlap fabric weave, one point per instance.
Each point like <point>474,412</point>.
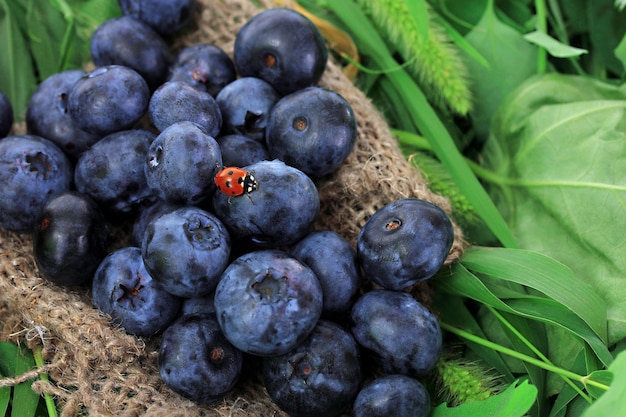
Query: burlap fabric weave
<point>98,370</point>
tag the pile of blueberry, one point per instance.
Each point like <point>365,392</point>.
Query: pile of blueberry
<point>219,186</point>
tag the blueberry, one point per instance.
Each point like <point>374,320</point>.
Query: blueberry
<point>112,171</point>
<point>282,47</point>
<point>186,250</point>
<point>280,212</point>
<point>318,378</point>
<point>70,239</point>
<point>204,66</point>
<point>32,170</point>
<point>239,151</point>
<point>48,115</point>
<point>181,164</point>
<point>404,243</point>
<point>334,262</point>
<point>165,16</point>
<point>196,361</point>
<point>401,334</point>
<point>123,289</point>
<point>145,216</point>
<point>177,101</point>
<point>199,305</point>
<point>397,395</point>
<point>132,43</point>
<point>6,115</point>
<point>245,105</point>
<point>108,99</point>
<point>267,302</point>
<point>312,129</point>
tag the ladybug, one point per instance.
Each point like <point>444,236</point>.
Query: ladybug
<point>234,181</point>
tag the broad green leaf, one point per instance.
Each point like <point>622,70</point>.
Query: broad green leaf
<point>603,377</point>
<point>515,401</point>
<point>553,172</point>
<point>17,75</point>
<point>45,30</point>
<point>511,61</point>
<point>554,47</point>
<point>615,398</point>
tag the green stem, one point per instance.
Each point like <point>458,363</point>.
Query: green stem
<point>542,26</point>
<point>536,351</point>
<point>518,355</point>
<point>52,410</point>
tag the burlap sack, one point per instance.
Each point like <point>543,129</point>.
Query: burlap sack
<point>98,370</point>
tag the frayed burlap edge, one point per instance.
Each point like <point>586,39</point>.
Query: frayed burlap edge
<point>98,370</point>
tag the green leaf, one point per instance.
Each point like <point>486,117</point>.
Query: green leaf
<point>554,47</point>
<point>620,51</point>
<point>17,75</point>
<point>544,274</point>
<point>607,27</point>
<point>515,401</point>
<point>511,61</point>
<point>615,398</point>
<point>552,167</point>
<point>464,283</point>
<point>5,398</point>
<point>453,311</point>
<point>45,30</point>
<point>602,377</point>
<point>14,361</point>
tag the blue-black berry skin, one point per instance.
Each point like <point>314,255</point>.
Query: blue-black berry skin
<point>48,115</point>
<point>196,360</point>
<point>246,104</point>
<point>204,66</point>
<point>405,242</point>
<point>177,101</point>
<point>320,377</point>
<point>199,305</point>
<point>132,43</point>
<point>70,239</point>
<point>399,333</point>
<point>108,99</point>
<point>241,151</point>
<point>123,289</point>
<point>167,17</point>
<point>6,115</point>
<point>186,250</point>
<point>334,262</point>
<point>267,302</point>
<point>145,216</point>
<point>282,47</point>
<point>393,395</point>
<point>281,211</point>
<point>112,171</point>
<point>313,129</point>
<point>32,171</point>
<point>181,164</point>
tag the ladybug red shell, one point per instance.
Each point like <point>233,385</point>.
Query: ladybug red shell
<point>234,181</point>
